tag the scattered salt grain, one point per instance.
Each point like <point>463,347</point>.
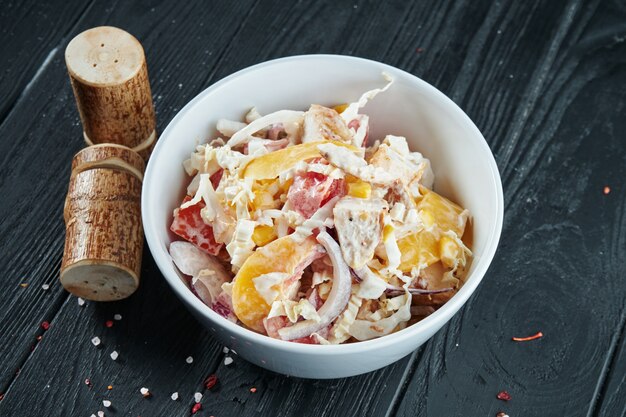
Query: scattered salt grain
<point>502,414</point>
<point>228,360</point>
<point>174,396</point>
<point>81,302</point>
<point>106,403</point>
<point>45,287</point>
<point>606,190</point>
<point>145,392</point>
<point>93,415</point>
<point>189,359</point>
<point>225,349</point>
<point>100,413</point>
<point>117,317</point>
<point>197,397</point>
<point>95,341</point>
<point>114,355</point>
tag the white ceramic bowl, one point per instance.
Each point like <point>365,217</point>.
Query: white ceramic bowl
<point>464,168</point>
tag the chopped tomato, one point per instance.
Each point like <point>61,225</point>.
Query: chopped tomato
<point>216,178</point>
<point>354,124</point>
<point>189,225</point>
<point>312,190</point>
<point>337,188</point>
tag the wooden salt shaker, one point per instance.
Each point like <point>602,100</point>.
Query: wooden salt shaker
<point>104,239</point>
<point>109,76</point>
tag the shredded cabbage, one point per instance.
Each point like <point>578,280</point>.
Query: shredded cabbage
<point>353,109</point>
<point>349,162</point>
<point>282,116</point>
<point>365,329</point>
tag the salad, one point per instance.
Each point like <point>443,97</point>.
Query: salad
<point>299,226</point>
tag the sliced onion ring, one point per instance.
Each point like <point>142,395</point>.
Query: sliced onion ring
<point>392,290</point>
<point>189,259</point>
<point>337,298</point>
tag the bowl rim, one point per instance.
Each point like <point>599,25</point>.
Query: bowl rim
<point>424,325</point>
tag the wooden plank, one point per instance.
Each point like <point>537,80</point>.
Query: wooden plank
<point>550,255</point>
<point>30,31</point>
<point>362,28</point>
<point>47,131</point>
<point>560,265</point>
<point>274,394</point>
<point>152,343</point>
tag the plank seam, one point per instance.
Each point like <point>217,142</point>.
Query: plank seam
<point>607,366</point>
<point>600,391</point>
<point>55,311</point>
<point>410,369</point>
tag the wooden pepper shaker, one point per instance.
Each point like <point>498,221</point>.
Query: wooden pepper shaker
<point>109,76</point>
<point>104,239</point>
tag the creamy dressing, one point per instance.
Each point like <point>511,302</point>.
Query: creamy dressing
<point>385,182</point>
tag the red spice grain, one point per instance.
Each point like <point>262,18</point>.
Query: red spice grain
<point>110,387</point>
<point>196,407</point>
<point>39,338</point>
<point>419,50</point>
<point>502,414</point>
<point>504,396</point>
<point>211,381</point>
<point>45,325</point>
<point>88,382</point>
<point>606,190</point>
<point>253,390</point>
<point>109,323</point>
<point>1,397</point>
<point>537,335</point>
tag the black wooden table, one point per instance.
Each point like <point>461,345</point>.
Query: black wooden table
<point>545,81</point>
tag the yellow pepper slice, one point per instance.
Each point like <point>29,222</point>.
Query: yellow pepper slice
<point>270,165</point>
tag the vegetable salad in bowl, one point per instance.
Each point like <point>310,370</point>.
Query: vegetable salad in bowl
<point>299,226</point>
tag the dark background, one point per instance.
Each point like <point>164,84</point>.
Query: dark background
<point>545,81</point>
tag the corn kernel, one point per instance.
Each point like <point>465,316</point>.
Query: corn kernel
<point>341,107</point>
<point>449,251</point>
<point>263,235</point>
<point>359,189</point>
<point>263,201</point>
